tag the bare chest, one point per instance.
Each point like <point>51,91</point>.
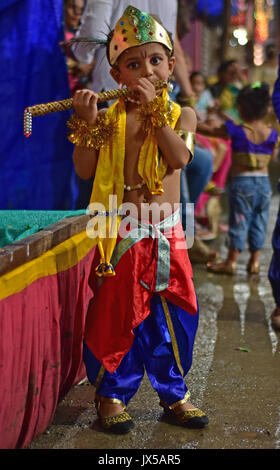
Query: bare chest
<point>134,140</point>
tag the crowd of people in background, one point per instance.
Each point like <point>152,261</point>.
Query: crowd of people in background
<point>216,101</point>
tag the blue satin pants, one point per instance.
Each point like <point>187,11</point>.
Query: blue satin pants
<point>163,346</point>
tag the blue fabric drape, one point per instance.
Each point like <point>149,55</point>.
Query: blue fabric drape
<point>36,173</point>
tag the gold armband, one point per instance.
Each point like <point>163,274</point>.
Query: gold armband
<point>189,139</point>
<point>155,114</point>
<point>91,136</point>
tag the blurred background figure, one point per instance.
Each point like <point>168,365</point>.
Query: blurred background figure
<point>267,72</point>
<point>205,102</point>
<point>78,72</point>
<point>230,81</point>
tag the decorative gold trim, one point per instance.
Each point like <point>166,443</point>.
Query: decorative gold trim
<point>111,420</point>
<point>189,139</point>
<point>186,415</point>
<point>172,333</point>
<point>99,377</point>
<point>180,402</point>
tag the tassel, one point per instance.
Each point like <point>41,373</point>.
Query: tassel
<point>105,270</point>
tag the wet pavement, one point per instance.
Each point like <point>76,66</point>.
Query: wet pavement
<point>235,376</point>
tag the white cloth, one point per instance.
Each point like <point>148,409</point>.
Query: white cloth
<point>100,17</point>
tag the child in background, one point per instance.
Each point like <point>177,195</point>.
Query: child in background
<point>204,100</point>
<point>144,312</point>
<point>253,146</point>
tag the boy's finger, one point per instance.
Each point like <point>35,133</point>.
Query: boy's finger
<point>146,82</point>
<point>93,99</point>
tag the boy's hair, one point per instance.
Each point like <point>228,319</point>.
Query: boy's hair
<point>253,101</point>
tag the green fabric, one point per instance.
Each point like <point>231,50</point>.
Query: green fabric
<point>18,224</point>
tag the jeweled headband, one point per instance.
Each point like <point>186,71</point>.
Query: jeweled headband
<point>135,28</point>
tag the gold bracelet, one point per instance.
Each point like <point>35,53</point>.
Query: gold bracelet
<point>91,136</point>
<point>155,114</point>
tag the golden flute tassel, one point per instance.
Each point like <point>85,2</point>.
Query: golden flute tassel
<point>46,108</point>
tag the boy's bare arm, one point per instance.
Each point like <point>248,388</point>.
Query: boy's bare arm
<point>171,144</point>
<point>85,161</point>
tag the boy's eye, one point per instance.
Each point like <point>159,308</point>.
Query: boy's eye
<point>133,65</point>
<point>155,60</point>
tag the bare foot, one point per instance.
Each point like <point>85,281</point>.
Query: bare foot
<point>228,267</point>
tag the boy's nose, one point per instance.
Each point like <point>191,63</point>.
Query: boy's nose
<point>147,70</point>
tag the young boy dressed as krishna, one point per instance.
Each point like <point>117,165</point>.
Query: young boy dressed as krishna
<point>144,312</point>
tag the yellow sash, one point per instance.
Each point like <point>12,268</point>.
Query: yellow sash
<point>109,178</point>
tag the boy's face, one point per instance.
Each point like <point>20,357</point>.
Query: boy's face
<point>146,61</point>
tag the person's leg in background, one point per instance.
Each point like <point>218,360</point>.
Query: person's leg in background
<point>199,172</point>
<point>194,178</point>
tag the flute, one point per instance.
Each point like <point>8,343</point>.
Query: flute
<point>52,107</point>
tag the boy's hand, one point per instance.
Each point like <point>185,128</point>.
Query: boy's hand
<point>85,105</point>
<point>145,90</point>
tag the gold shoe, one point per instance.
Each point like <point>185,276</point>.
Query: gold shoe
<point>120,423</point>
<point>222,268</point>
<point>192,419</point>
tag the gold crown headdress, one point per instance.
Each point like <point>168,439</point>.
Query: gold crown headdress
<point>133,29</point>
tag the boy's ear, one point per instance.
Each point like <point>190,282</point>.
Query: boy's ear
<point>116,75</point>
<point>171,64</point>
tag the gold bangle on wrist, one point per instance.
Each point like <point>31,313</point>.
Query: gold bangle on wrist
<point>94,136</point>
<point>155,114</point>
